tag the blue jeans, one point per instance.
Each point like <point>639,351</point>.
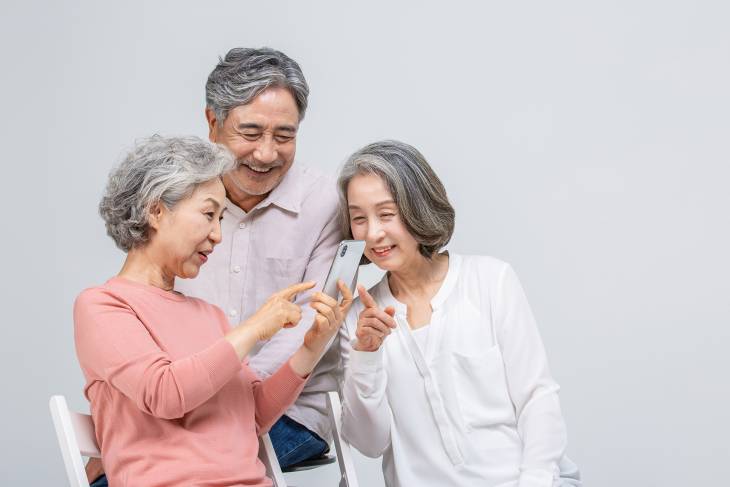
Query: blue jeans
<point>292,442</point>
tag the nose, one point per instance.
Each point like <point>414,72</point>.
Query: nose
<point>265,151</point>
<point>216,235</point>
<point>375,232</point>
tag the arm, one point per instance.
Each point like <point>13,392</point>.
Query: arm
<point>274,395</point>
<point>114,345</point>
<point>278,350</point>
<point>532,388</point>
<point>366,415</point>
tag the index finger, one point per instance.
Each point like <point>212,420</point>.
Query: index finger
<point>365,297</point>
<point>289,292</point>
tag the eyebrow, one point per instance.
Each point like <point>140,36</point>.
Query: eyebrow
<point>382,203</point>
<point>215,203</point>
<point>285,128</point>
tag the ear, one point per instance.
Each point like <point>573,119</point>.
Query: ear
<point>155,215</point>
<point>212,124</point>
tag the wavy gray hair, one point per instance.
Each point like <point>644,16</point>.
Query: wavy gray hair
<point>157,170</point>
<point>244,73</point>
<point>417,191</point>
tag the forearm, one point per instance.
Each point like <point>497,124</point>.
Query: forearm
<point>274,395</point>
<point>544,439</point>
<point>366,415</point>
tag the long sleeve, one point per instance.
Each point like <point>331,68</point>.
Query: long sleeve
<point>532,388</point>
<point>282,345</point>
<point>366,415</point>
<point>114,346</point>
<point>274,395</point>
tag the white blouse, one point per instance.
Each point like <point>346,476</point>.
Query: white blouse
<point>477,406</point>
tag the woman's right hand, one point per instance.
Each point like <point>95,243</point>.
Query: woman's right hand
<point>277,312</point>
<point>373,324</point>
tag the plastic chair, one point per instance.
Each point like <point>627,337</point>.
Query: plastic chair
<point>76,438</point>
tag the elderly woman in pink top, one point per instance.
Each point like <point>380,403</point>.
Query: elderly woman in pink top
<point>173,400</point>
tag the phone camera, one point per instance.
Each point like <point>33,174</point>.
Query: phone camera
<point>344,251</point>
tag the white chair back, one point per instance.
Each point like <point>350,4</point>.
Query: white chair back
<point>76,438</point>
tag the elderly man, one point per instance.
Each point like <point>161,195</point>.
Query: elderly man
<point>279,227</point>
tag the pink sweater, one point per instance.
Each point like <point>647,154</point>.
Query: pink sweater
<point>171,402</point>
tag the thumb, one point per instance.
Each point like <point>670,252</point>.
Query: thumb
<point>390,311</point>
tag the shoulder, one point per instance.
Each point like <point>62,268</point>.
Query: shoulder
<point>318,189</point>
<point>96,296</point>
<point>483,267</point>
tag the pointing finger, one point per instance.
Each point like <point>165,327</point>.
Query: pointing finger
<point>289,292</point>
<point>365,297</point>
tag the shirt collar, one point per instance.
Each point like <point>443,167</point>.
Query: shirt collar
<point>287,195</point>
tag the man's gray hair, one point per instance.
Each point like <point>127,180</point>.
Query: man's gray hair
<point>419,194</point>
<point>244,73</point>
<point>157,170</point>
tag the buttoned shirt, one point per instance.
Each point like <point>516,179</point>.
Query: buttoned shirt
<point>289,237</point>
<point>475,405</point>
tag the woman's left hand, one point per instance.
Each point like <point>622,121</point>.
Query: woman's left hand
<point>328,318</point>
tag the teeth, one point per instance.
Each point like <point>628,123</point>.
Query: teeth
<point>256,169</point>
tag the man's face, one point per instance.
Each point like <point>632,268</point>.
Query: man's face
<point>262,138</point>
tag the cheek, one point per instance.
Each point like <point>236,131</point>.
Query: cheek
<point>239,148</point>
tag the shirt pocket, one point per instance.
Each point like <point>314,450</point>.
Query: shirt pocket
<point>481,388</point>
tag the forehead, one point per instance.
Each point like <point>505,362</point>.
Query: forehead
<point>273,106</point>
<point>213,189</point>
<point>368,189</point>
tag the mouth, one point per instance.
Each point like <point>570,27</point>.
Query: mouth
<point>204,256</point>
<point>382,251</point>
<point>257,170</point>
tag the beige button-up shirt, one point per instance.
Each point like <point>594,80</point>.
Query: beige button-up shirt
<point>290,237</point>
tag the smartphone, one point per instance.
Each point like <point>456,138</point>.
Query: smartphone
<point>344,266</point>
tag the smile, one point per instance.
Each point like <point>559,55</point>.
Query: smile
<point>382,251</point>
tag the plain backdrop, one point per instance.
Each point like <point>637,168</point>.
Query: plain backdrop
<point>586,143</point>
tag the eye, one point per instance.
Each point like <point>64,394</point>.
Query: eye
<point>209,215</point>
<point>387,215</point>
<point>357,219</point>
<point>251,135</point>
<point>283,139</point>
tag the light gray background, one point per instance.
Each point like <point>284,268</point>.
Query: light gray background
<point>584,142</point>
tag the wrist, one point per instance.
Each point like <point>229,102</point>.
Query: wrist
<point>303,361</point>
<point>243,338</point>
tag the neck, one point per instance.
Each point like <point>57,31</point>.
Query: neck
<point>246,202</point>
<point>419,276</point>
<point>141,266</point>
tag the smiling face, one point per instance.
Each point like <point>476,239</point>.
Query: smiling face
<point>262,137</point>
<point>374,217</point>
<point>182,238</point>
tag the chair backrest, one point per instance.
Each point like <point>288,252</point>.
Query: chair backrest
<point>76,438</point>
<point>348,478</point>
<point>75,434</point>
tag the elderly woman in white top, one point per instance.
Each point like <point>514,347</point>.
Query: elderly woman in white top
<point>461,393</point>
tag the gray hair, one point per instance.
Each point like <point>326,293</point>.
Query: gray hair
<point>244,73</point>
<point>419,194</point>
<point>157,170</point>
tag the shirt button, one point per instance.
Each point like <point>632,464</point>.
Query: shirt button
<point>241,225</point>
<point>233,312</point>
<point>236,268</point>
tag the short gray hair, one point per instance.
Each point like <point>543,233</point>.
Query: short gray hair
<point>157,170</point>
<point>244,73</point>
<point>417,191</point>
